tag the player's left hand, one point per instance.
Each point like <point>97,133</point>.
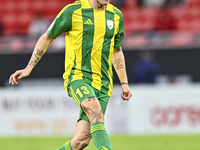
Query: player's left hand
<point>126,92</point>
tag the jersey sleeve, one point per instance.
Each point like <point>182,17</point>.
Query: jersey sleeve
<point>119,37</point>
<point>62,23</point>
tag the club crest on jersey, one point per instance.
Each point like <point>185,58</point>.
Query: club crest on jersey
<point>110,24</point>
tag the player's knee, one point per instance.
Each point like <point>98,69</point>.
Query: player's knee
<point>96,115</point>
<point>93,111</point>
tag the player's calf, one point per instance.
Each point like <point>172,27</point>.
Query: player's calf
<point>79,145</point>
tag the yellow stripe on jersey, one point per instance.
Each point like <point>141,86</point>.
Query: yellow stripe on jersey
<point>77,22</point>
<point>110,8</point>
<point>73,48</point>
<point>99,18</point>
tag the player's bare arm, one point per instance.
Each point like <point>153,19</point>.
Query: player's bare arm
<point>118,61</point>
<point>39,50</point>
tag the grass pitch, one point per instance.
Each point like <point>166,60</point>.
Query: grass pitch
<point>119,142</point>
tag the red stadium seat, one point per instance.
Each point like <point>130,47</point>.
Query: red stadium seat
<point>182,25</point>
<point>24,22</point>
<point>193,13</point>
<point>10,6</point>
<point>132,27</point>
<point>24,5</point>
<point>38,6</point>
<point>9,24</point>
<point>53,9</point>
<point>193,3</point>
<point>130,4</point>
<point>2,10</point>
<point>194,25</point>
<point>181,18</point>
<point>148,18</point>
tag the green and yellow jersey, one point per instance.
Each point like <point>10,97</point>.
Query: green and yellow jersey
<point>90,36</point>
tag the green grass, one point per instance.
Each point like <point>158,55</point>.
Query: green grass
<point>119,142</point>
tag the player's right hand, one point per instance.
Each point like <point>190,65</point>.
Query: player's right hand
<point>19,74</point>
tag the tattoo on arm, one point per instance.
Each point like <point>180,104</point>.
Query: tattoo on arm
<point>87,134</point>
<point>38,55</point>
<point>40,52</point>
<point>118,64</point>
<point>30,63</point>
<point>90,98</point>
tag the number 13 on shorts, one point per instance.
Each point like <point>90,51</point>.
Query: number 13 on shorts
<point>82,90</point>
<point>79,90</point>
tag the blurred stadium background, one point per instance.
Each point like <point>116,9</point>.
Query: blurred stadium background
<point>161,47</point>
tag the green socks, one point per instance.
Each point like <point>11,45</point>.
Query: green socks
<point>100,136</point>
<point>66,146</point>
